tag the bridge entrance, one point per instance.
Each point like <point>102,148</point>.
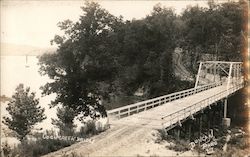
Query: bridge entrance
<point>216,71</point>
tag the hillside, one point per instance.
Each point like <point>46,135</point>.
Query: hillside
<point>8,49</point>
<point>179,69</point>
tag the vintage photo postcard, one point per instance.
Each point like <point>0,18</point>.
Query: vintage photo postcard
<point>126,78</point>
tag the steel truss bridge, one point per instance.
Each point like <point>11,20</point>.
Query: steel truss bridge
<point>222,80</point>
<point>132,124</point>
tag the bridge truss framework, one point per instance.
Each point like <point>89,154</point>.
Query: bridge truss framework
<point>218,70</point>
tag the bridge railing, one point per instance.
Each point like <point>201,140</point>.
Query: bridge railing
<point>175,118</point>
<point>148,104</point>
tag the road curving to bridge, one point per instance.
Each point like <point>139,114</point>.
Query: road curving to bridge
<point>133,135</point>
<point>115,141</point>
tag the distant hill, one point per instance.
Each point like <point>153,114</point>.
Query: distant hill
<point>4,98</point>
<point>8,49</point>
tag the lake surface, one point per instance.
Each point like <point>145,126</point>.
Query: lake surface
<point>15,71</point>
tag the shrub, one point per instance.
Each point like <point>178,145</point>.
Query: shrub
<point>179,146</point>
<point>6,149</point>
<point>240,142</point>
<point>39,147</point>
<point>163,136</point>
<point>89,129</point>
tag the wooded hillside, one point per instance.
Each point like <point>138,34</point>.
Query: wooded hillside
<point>103,55</point>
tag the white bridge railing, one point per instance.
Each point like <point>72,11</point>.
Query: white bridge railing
<point>175,118</point>
<point>148,104</point>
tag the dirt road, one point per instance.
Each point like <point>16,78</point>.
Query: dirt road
<point>120,141</point>
<point>115,141</point>
<point>179,69</point>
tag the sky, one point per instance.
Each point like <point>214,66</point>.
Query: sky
<point>34,22</point>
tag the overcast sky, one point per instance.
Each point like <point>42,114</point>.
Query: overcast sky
<point>34,22</point>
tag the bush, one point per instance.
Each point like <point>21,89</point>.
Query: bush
<point>239,142</point>
<point>163,136</point>
<point>38,147</point>
<point>179,146</point>
<point>89,129</point>
<point>6,149</point>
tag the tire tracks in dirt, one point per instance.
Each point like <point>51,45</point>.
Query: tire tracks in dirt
<point>105,143</point>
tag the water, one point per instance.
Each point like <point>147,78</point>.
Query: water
<point>14,70</point>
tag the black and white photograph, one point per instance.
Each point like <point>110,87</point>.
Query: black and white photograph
<point>124,78</point>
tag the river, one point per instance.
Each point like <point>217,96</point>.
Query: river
<point>15,70</point>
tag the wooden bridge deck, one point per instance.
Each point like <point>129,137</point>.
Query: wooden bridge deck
<point>128,133</point>
<point>172,112</point>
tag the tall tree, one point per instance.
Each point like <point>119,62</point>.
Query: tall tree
<point>24,111</point>
<point>146,52</point>
<point>82,61</point>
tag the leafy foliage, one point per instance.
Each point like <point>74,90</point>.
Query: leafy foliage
<point>146,51</point>
<point>219,30</point>
<point>24,112</point>
<point>65,121</point>
<point>101,55</point>
<point>82,61</point>
<point>36,148</point>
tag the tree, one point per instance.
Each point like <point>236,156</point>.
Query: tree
<point>233,43</point>
<point>24,112</point>
<point>218,30</point>
<point>65,121</point>
<point>146,53</point>
<point>84,60</point>
<point>102,54</point>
